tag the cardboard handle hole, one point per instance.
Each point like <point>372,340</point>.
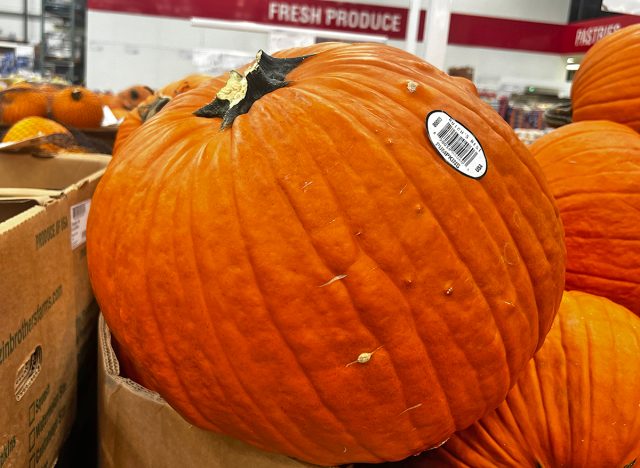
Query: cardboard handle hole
<point>28,372</point>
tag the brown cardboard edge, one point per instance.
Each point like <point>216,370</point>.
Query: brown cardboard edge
<point>108,364</point>
<point>15,222</point>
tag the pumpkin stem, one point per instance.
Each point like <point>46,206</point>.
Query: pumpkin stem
<point>240,92</point>
<point>76,94</point>
<point>148,111</point>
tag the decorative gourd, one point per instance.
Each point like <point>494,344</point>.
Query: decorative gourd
<point>576,404</point>
<point>20,101</point>
<point>77,107</point>
<point>593,169</point>
<point>134,95</point>
<point>288,260</point>
<point>606,87</point>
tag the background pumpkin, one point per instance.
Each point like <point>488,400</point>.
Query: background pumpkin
<point>606,87</point>
<point>153,104</point>
<point>315,279</point>
<point>576,405</point>
<point>22,101</point>
<point>185,84</point>
<point>134,95</point>
<point>77,107</point>
<point>593,169</point>
<point>31,127</point>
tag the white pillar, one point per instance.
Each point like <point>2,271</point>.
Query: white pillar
<point>412,26</point>
<point>436,31</point>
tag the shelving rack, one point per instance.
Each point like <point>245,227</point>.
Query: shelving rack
<point>62,29</point>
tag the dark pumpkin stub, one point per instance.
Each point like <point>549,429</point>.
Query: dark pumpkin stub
<point>241,91</point>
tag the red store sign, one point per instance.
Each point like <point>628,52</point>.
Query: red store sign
<point>469,30</point>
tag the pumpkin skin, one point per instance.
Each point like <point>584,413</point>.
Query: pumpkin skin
<point>110,100</point>
<point>185,84</point>
<point>32,127</point>
<point>299,280</point>
<point>134,95</point>
<point>593,169</point>
<point>77,107</point>
<point>606,86</point>
<point>20,101</point>
<point>575,405</point>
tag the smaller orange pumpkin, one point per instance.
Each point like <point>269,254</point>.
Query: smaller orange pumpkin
<point>32,127</point>
<point>110,100</point>
<point>20,101</point>
<point>77,107</point>
<point>134,95</point>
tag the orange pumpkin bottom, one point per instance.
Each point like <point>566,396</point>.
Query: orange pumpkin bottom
<point>576,405</point>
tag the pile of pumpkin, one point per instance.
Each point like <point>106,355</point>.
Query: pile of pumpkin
<point>72,106</point>
<point>291,255</point>
<point>33,109</point>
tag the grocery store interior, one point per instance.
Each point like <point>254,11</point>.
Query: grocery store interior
<point>227,241</point>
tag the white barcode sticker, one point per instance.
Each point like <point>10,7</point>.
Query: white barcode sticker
<point>79,216</point>
<point>456,144</point>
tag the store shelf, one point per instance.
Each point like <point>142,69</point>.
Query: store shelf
<point>69,39</point>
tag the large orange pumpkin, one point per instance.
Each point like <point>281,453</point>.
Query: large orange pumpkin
<point>576,405</point>
<point>606,87</point>
<point>593,169</point>
<point>77,107</point>
<point>22,101</point>
<point>297,266</point>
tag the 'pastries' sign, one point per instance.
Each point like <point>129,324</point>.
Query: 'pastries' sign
<point>586,37</point>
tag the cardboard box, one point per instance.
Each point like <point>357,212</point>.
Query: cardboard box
<point>43,286</point>
<point>138,429</point>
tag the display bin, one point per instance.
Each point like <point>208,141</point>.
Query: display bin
<point>45,291</point>
<point>138,429</point>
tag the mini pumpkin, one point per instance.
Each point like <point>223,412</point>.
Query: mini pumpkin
<point>576,404</point>
<point>32,127</point>
<point>593,169</point>
<point>20,101</point>
<point>606,87</point>
<point>77,107</point>
<point>134,95</point>
<point>287,259</point>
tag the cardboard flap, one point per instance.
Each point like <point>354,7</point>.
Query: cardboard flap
<point>137,428</point>
<point>14,193</point>
<point>66,170</point>
<point>60,139</point>
<point>11,208</point>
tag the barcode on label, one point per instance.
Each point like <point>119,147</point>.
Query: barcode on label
<point>79,216</point>
<point>79,210</point>
<point>456,143</point>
